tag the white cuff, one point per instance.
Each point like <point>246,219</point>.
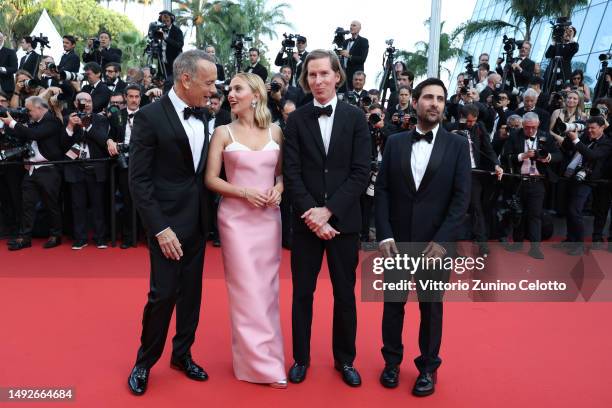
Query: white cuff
<point>162,231</point>
<point>520,157</point>
<point>385,240</point>
<point>575,141</point>
<point>12,124</point>
<point>3,70</point>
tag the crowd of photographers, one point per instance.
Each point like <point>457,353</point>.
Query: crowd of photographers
<point>535,149</point>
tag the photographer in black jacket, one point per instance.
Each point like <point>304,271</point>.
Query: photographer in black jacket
<point>85,137</point>
<point>591,153</point>
<point>70,60</point>
<point>172,44</point>
<point>42,182</point>
<point>295,63</point>
<point>99,50</point>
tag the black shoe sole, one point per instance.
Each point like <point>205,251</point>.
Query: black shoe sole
<point>134,392</point>
<point>423,393</point>
<point>389,385</point>
<point>179,368</point>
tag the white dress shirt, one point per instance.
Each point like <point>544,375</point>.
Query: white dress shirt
<point>194,128</point>
<point>326,123</point>
<point>38,157</point>
<point>419,159</point>
<point>526,166</point>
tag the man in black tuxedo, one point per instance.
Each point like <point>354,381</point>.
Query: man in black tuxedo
<point>168,148</point>
<point>530,99</point>
<point>70,61</point>
<point>523,67</point>
<point>112,76</point>
<point>173,39</point>
<point>256,67</point>
<point>294,61</point>
<point>42,182</point>
<point>104,53</point>
<point>84,138</point>
<point>531,152</point>
<point>121,133</point>
<point>424,175</point>
<point>357,93</point>
<point>29,62</point>
<point>8,66</point>
<point>355,52</point>
<point>326,166</point>
<point>98,90</point>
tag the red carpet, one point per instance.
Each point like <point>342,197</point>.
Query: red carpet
<point>72,319</point>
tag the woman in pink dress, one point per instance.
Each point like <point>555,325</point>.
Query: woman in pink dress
<point>250,229</point>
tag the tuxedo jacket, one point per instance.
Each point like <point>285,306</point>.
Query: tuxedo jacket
<point>596,157</point>
<point>281,60</point>
<point>117,134</point>
<point>543,115</point>
<point>220,72</point>
<point>523,78</point>
<point>484,155</point>
<point>358,53</point>
<point>70,62</point>
<point>100,95</point>
<point>516,144</point>
<point>8,60</point>
<point>166,189</point>
<point>103,56</point>
<point>29,62</point>
<point>437,209</point>
<point>258,70</point>
<point>121,85</point>
<point>95,138</point>
<point>46,133</point>
<point>334,180</point>
<point>174,44</point>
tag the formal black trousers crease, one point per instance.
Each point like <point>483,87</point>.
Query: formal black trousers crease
<point>43,185</point>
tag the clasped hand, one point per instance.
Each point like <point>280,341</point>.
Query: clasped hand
<point>317,219</point>
<point>258,199</point>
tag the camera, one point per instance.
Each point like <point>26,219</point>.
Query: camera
<point>114,116</point>
<point>374,119</point>
<point>412,120</point>
<point>509,44</point>
<point>43,41</point>
<point>542,152</point>
<point>31,83</point>
<point>599,110</point>
<point>71,76</point>
<point>390,48</point>
<point>24,152</point>
<point>122,158</point>
<point>52,67</point>
<point>156,31</point>
<point>95,43</point>
<point>561,127</point>
<point>289,41</point>
<point>559,26</point>
<point>275,87</point>
<point>19,114</point>
<point>338,40</point>
<point>238,41</point>
<point>604,57</point>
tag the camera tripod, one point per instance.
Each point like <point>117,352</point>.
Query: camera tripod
<point>555,76</point>
<point>602,89</point>
<point>389,79</point>
<point>155,59</point>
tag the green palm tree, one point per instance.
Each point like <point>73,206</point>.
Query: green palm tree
<point>200,14</point>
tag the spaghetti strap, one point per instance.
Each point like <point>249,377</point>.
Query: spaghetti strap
<point>229,130</point>
<point>270,133</point>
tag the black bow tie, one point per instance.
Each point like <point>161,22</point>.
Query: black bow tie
<point>532,138</point>
<point>428,137</point>
<point>197,113</point>
<point>131,115</point>
<point>327,110</point>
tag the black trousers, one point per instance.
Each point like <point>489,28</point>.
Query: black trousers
<point>367,203</point>
<point>286,216</point>
<point>79,192</point>
<point>532,195</point>
<point>43,185</point>
<point>602,195</point>
<point>126,196</point>
<point>342,258</point>
<point>579,194</point>
<point>476,212</point>
<point>172,283</point>
<point>11,178</point>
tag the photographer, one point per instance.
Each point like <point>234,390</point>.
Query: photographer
<point>591,153</point>
<point>85,138</point>
<point>500,103</point>
<point>29,61</point>
<point>354,52</point>
<point>25,87</point>
<point>118,142</point>
<point>99,50</point>
<point>47,72</point>
<point>504,131</point>
<point>523,67</point>
<point>217,115</point>
<point>42,182</point>
<point>483,74</point>
<point>70,60</point>
<point>405,78</point>
<point>112,74</point>
<point>172,44</point>
<point>210,50</point>
<point>530,152</point>
<point>566,49</point>
<point>8,66</point>
<point>276,96</point>
<point>255,66</point>
<point>494,85</point>
<point>530,98</point>
<point>95,87</point>
<point>579,85</point>
<point>297,58</point>
<point>399,115</point>
<point>569,114</point>
<point>357,93</point>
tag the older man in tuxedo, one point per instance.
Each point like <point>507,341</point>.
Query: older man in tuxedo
<point>422,195</point>
<point>355,52</point>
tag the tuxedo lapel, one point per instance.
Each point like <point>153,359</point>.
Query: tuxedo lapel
<point>314,129</point>
<point>405,155</point>
<point>204,155</point>
<point>435,161</point>
<point>178,130</point>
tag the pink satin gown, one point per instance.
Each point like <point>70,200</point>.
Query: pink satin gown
<point>251,247</point>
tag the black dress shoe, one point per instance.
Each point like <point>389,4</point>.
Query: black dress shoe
<point>125,244</point>
<point>483,248</point>
<point>535,253</point>
<point>297,373</point>
<point>138,379</point>
<point>18,244</point>
<point>425,384</point>
<point>190,368</point>
<point>390,377</point>
<point>349,374</point>
<point>216,242</point>
<point>52,242</point>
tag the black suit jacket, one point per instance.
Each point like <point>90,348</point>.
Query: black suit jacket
<point>297,67</point>
<point>358,53</point>
<point>596,158</point>
<point>567,51</point>
<point>335,180</point>
<point>220,72</point>
<point>121,85</point>
<point>437,209</point>
<point>8,60</point>
<point>117,133</point>
<point>30,62</point>
<point>95,138</point>
<point>484,155</point>
<point>166,189</point>
<point>174,44</point>
<point>46,133</point>
<point>258,70</point>
<point>516,145</point>
<point>100,95</point>
<point>103,56</point>
<point>70,62</point>
<point>523,78</point>
<point>542,114</point>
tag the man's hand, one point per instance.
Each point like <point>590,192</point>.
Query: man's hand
<point>73,121</point>
<point>296,56</point>
<point>326,232</point>
<point>434,250</point>
<point>388,248</point>
<point>170,245</point>
<point>503,132</point>
<point>572,135</point>
<point>316,217</point>
<point>155,92</point>
<point>529,154</point>
<point>112,147</point>
<point>344,53</point>
<point>7,120</point>
<point>499,172</point>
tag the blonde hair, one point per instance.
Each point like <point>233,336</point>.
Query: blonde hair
<point>579,108</point>
<point>263,117</point>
